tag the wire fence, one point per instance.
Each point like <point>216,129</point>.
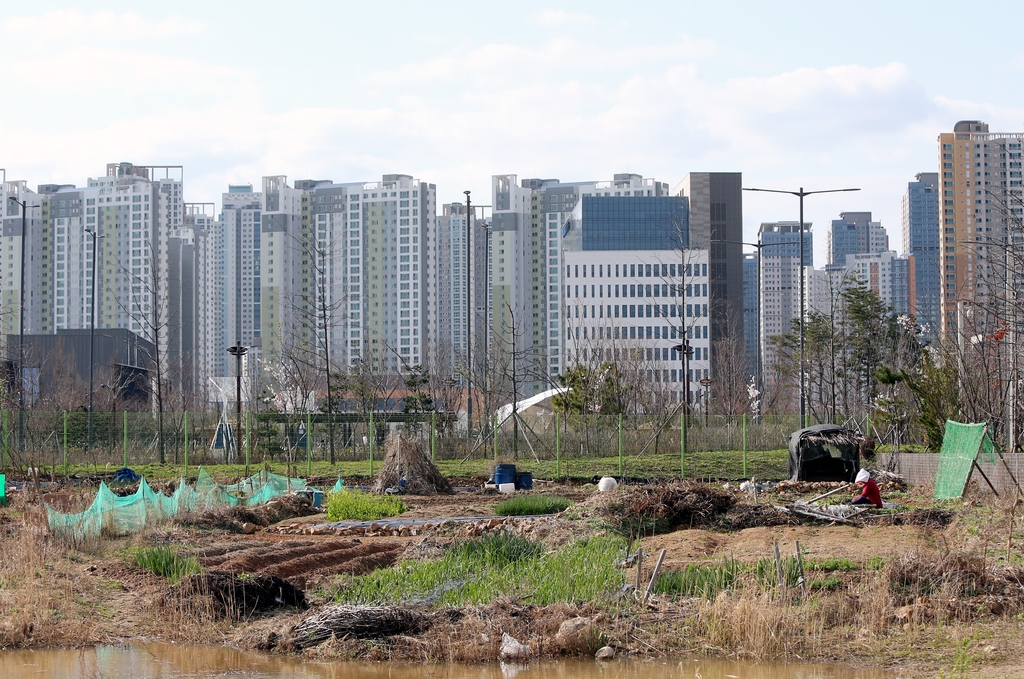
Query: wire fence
<point>555,444</point>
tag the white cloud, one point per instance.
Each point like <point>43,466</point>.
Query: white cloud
<point>61,24</point>
<point>559,17</point>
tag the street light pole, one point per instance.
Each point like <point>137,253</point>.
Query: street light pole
<point>238,351</point>
<point>21,325</point>
<point>469,321</point>
<point>92,331</point>
<point>803,306</point>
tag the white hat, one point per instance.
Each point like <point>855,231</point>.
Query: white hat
<point>863,476</point>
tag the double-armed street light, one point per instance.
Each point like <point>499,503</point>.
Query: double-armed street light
<point>803,376</point>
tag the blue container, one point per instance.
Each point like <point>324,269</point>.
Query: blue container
<point>504,473</point>
<point>318,498</point>
<point>524,481</point>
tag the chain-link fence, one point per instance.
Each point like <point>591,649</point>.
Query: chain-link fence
<point>580,446</point>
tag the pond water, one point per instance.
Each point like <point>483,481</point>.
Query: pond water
<point>163,661</point>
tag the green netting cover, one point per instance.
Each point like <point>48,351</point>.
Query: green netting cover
<point>113,515</point>
<point>961,445</point>
<point>339,485</point>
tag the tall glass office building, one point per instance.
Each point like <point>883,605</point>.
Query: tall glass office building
<point>627,223</point>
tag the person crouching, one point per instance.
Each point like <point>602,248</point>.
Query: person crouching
<point>869,493</point>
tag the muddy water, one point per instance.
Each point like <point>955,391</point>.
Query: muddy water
<point>161,661</point>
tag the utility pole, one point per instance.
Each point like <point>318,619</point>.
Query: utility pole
<point>469,320</point>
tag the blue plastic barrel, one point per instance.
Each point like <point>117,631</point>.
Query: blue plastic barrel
<point>524,481</point>
<point>504,473</point>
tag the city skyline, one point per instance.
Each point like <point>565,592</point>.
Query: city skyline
<point>454,95</point>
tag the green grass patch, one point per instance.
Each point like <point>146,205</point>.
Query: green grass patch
<point>703,580</point>
<point>724,464</point>
<point>351,505</point>
<point>528,505</point>
<point>477,571</point>
<point>164,561</point>
<point>829,584</point>
<point>876,563</point>
<point>831,564</point>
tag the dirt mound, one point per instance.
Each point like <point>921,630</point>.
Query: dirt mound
<point>233,595</point>
<point>301,561</point>
<point>407,466</point>
<point>933,518</point>
<point>666,507</point>
<point>231,518</point>
<point>744,515</point>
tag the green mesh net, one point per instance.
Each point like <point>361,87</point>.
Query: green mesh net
<point>112,515</point>
<point>961,445</point>
<point>339,485</point>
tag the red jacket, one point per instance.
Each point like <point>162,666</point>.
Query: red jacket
<point>870,493</point>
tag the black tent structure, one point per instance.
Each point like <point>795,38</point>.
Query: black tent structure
<point>824,452</point>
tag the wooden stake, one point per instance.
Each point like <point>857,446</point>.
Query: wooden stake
<point>778,568</point>
<point>831,492</point>
<point>1009,536</point>
<point>800,568</point>
<point>978,467</point>
<point>654,576</point>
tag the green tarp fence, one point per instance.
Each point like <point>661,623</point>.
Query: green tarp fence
<point>112,515</point>
<point>961,445</point>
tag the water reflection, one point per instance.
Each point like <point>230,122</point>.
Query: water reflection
<point>163,661</point>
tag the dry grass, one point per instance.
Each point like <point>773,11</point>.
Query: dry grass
<point>36,596</point>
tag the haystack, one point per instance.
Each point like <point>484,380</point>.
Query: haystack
<point>407,459</point>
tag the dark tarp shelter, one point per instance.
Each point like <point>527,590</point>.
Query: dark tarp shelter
<point>824,452</point>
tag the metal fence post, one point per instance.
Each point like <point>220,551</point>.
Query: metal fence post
<point>247,443</point>
<point>494,434</point>
<point>7,450</point>
<point>309,451</point>
<point>124,429</point>
<point>65,443</point>
<point>682,445</point>
<point>373,435</point>
<point>186,443</point>
<point>620,445</point>
<point>558,447</point>
<point>433,436</point>
<point>744,445</point>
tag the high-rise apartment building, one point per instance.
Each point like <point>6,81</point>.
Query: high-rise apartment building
<point>780,279</point>
<point>349,267</point>
<point>528,219</point>
<point>854,233</point>
<point>921,226</point>
<point>981,190</point>
<point>11,259</point>
<point>715,218</point>
<point>888,275</point>
<point>751,287</point>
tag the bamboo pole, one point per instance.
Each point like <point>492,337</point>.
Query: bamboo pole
<point>65,443</point>
<point>124,443</point>
<point>744,445</point>
<point>558,447</point>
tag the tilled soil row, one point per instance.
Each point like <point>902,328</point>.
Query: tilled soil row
<point>209,553</point>
<point>301,558</point>
<point>357,560</point>
<point>246,549</point>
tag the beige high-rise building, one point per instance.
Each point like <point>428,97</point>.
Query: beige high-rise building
<point>981,186</point>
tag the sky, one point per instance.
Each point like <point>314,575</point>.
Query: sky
<point>820,95</point>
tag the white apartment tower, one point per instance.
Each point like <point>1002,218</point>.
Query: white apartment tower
<point>349,266</point>
<point>526,262</point>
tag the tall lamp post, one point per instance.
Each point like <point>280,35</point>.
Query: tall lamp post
<point>803,307</point>
<point>238,351</point>
<point>21,324</point>
<point>760,338</point>
<point>92,330</point>
<point>469,321</point>
<point>706,383</point>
